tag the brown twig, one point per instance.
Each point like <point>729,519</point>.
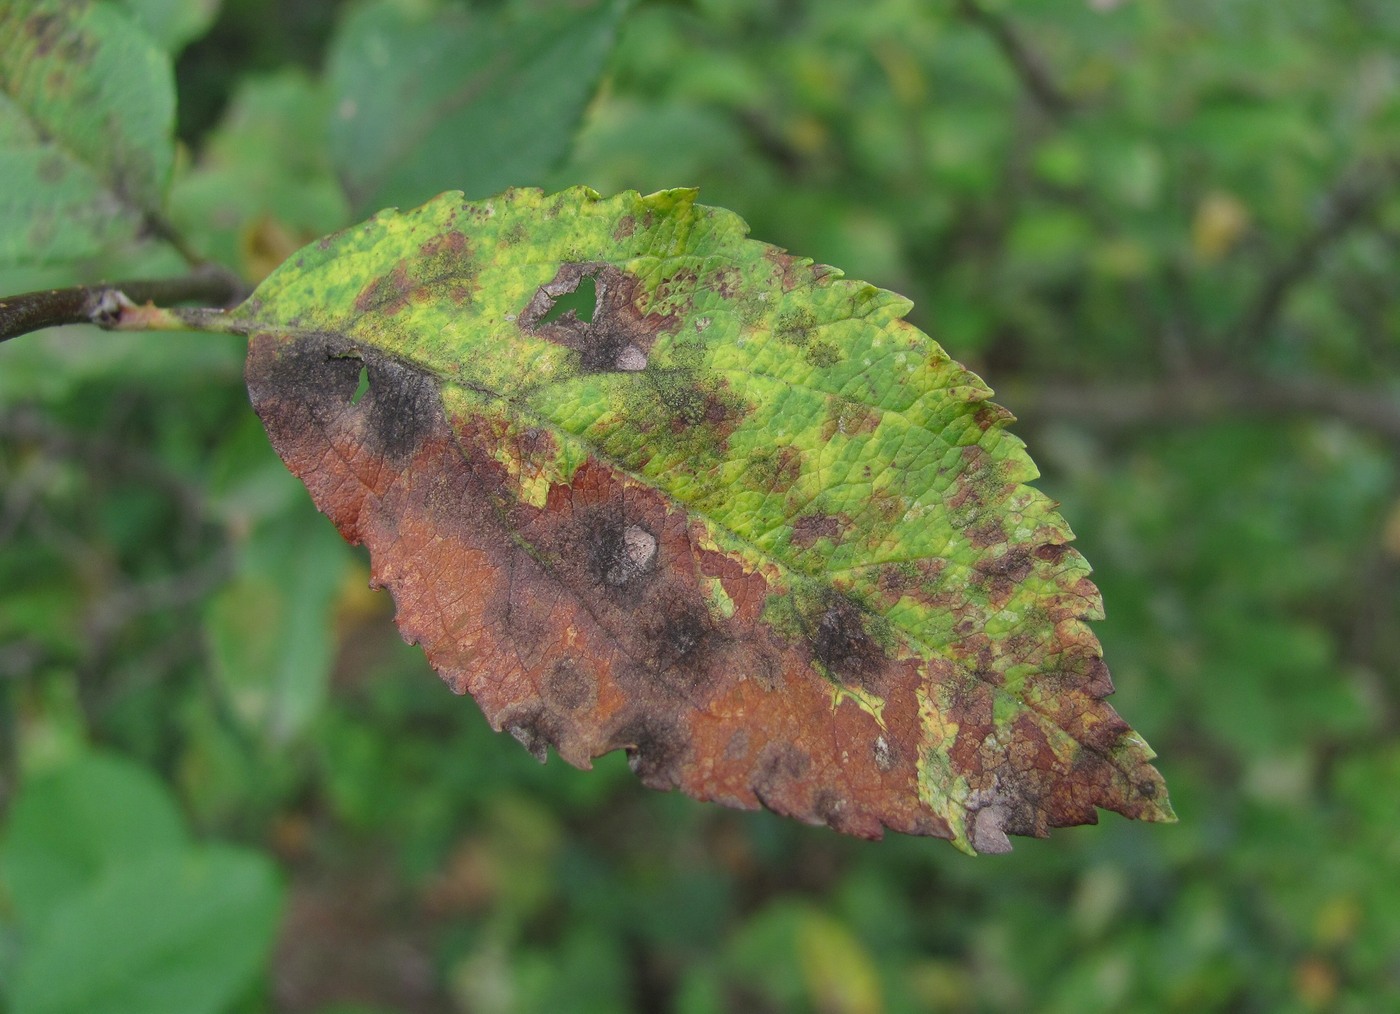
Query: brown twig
<point>1355,194</point>
<point>1031,70</point>
<point>102,304</point>
<point>1197,399</point>
<point>164,230</point>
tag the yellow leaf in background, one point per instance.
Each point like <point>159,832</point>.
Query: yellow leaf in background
<point>1390,535</point>
<point>266,243</point>
<point>902,70</point>
<point>836,969</point>
<point>1338,921</point>
<point>1221,219</point>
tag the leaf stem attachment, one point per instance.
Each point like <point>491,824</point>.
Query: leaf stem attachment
<point>125,306</point>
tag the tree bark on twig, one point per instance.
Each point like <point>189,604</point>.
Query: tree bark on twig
<point>1198,399</point>
<point>102,304</point>
<point>1028,66</point>
<point>1351,198</point>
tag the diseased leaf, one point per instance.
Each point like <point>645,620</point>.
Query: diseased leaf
<point>87,110</point>
<point>739,519</point>
<point>443,95</point>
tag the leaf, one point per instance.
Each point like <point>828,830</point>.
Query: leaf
<point>744,522</point>
<point>173,23</point>
<point>437,96</point>
<point>177,931</point>
<point>250,182</point>
<point>271,630</point>
<point>117,910</point>
<point>65,829</point>
<point>87,110</point>
<point>799,957</point>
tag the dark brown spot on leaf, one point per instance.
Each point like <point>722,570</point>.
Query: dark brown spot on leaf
<point>398,408</point>
<point>779,764</point>
<point>989,533</point>
<point>568,686</point>
<point>842,645</point>
<point>989,415</point>
<point>774,470</point>
<point>620,335</point>
<point>789,268</point>
<point>726,281</point>
<point>796,327</point>
<point>536,730</point>
<point>678,650</point>
<point>656,749</point>
<point>808,529</point>
<point>829,807</point>
<point>387,294</point>
<point>849,418</point>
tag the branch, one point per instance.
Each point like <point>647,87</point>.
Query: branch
<point>1027,65</point>
<point>163,229</point>
<point>1193,400</point>
<point>103,305</point>
<point>1355,194</point>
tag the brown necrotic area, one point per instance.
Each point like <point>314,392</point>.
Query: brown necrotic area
<point>617,338</point>
<point>586,623</point>
<point>443,269</point>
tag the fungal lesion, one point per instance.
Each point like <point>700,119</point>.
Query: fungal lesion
<point>843,643</point>
<point>612,336</point>
<point>621,554</point>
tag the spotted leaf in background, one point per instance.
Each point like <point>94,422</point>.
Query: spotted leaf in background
<point>87,110</point>
<point>728,512</point>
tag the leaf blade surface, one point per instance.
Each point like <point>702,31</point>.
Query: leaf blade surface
<point>87,112</point>
<point>450,96</point>
<point>744,522</point>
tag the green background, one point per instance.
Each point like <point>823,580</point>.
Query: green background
<point>1167,234</point>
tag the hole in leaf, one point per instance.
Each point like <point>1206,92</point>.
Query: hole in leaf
<point>583,301</point>
<point>362,387</point>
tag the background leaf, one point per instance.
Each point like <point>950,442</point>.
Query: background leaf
<point>173,23</point>
<point>119,911</point>
<point>272,628</point>
<point>87,110</point>
<point>73,825</point>
<point>181,930</point>
<point>438,97</point>
<point>253,197</point>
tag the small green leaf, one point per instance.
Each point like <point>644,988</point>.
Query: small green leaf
<point>271,630</point>
<point>66,829</point>
<point>87,108</point>
<point>173,23</point>
<point>432,97</point>
<point>181,930</point>
<point>253,197</point>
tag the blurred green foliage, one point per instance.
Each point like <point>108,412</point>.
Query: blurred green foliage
<point>1167,233</point>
